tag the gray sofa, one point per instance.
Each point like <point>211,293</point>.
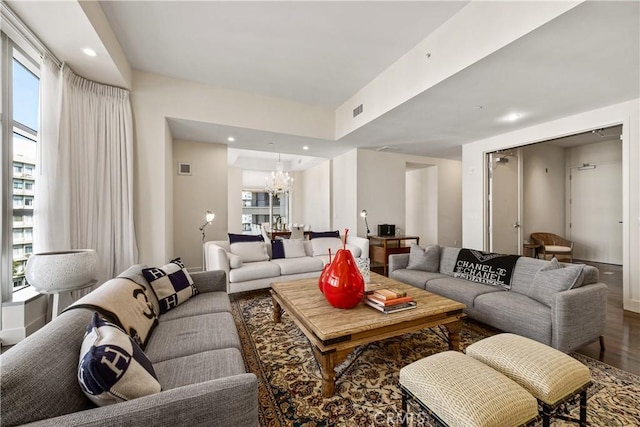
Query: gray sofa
<point>195,351</point>
<point>246,276</point>
<point>573,318</point>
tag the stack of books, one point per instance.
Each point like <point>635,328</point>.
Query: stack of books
<point>389,300</point>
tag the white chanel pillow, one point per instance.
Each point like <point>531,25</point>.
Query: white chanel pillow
<point>234,260</point>
<point>293,248</point>
<point>112,367</point>
<point>321,245</point>
<point>250,251</point>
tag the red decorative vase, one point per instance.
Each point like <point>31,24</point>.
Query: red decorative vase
<point>342,283</point>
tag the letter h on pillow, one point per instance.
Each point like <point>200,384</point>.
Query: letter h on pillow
<point>112,366</point>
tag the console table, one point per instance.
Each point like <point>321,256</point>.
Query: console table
<point>380,247</point>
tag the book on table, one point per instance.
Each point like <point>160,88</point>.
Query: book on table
<point>389,302</point>
<point>391,308</point>
<point>388,294</point>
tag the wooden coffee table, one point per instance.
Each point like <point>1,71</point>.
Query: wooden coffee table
<point>335,332</point>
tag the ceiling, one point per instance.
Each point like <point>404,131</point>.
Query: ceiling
<point>322,53</point>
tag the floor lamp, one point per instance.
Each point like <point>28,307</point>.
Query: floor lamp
<point>208,216</point>
<point>363,214</point>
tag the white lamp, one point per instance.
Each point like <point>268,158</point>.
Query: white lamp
<point>208,216</point>
<point>363,214</point>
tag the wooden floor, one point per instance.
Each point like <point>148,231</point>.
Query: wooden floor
<point>622,333</point>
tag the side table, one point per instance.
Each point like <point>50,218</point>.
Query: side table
<point>380,247</point>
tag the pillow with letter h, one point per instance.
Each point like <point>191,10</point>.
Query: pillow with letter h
<point>171,283</point>
<point>112,366</point>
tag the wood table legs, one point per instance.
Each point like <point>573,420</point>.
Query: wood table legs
<point>454,329</point>
<point>327,362</point>
<point>277,311</point>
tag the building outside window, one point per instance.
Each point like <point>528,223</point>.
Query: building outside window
<point>21,74</point>
<point>256,208</point>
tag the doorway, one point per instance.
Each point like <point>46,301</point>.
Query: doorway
<point>596,212</point>
<point>570,186</point>
<point>504,201</point>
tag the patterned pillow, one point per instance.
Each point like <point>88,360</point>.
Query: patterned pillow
<point>554,278</point>
<point>112,366</point>
<point>427,259</point>
<point>171,284</point>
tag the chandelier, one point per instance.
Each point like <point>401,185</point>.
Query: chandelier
<point>279,181</point>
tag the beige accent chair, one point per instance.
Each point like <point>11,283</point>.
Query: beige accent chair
<point>553,245</point>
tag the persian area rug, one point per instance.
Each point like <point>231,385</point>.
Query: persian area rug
<point>367,391</point>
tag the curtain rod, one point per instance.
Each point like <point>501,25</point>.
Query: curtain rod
<point>18,26</point>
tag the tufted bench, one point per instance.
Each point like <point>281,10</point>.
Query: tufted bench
<point>457,390</point>
<point>551,376</point>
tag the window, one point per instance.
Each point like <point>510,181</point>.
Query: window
<point>20,126</point>
<point>257,206</point>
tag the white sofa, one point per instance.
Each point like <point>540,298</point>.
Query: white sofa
<point>306,260</point>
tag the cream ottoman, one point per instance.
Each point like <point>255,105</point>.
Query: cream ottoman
<point>548,374</point>
<point>457,390</point>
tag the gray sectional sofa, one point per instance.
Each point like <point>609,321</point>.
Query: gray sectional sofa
<point>566,320</point>
<point>246,272</point>
<point>195,351</point>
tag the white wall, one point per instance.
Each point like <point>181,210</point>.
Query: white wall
<point>422,204</point>
<point>627,113</point>
<point>316,197</point>
<point>345,194</point>
<point>205,189</point>
<point>543,190</point>
<point>154,98</point>
<point>381,190</point>
<point>449,193</point>
<point>234,203</point>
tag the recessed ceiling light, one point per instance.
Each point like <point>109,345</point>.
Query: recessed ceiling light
<point>306,147</point>
<point>89,52</point>
<point>231,139</point>
<point>513,117</point>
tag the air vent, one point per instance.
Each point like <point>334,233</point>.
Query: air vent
<point>357,110</point>
<point>184,168</point>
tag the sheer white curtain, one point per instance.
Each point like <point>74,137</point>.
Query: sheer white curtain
<point>51,230</point>
<point>90,197</point>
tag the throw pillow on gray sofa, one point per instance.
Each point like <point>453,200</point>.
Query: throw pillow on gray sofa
<point>171,283</point>
<point>554,278</point>
<point>112,366</point>
<point>424,259</point>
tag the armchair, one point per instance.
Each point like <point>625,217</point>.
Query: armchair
<point>553,245</point>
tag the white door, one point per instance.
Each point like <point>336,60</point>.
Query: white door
<point>504,203</point>
<point>596,213</point>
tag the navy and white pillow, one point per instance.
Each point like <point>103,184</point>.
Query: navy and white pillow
<point>241,238</point>
<point>112,366</point>
<point>277,249</point>
<point>171,283</point>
